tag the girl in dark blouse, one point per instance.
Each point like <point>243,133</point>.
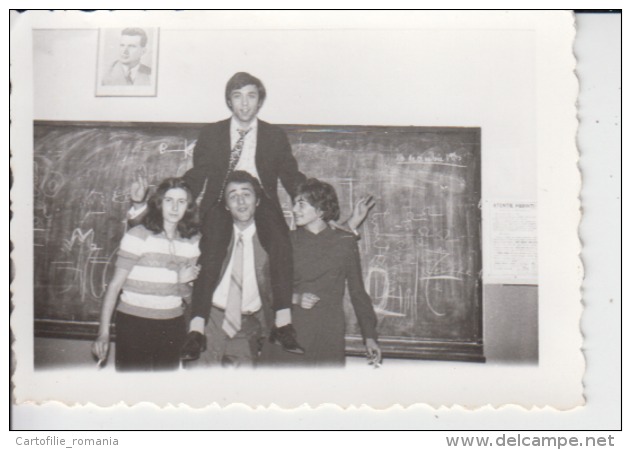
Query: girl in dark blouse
<point>325,261</point>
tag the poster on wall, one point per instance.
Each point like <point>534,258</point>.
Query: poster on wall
<point>127,63</point>
<point>512,246</point>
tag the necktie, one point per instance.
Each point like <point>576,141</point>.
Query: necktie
<point>235,154</point>
<point>232,319</point>
<point>129,78</point>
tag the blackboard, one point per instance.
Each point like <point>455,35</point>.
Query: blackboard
<point>420,247</point>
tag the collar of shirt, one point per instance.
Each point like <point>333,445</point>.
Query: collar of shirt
<point>235,127</point>
<point>251,296</point>
<point>247,233</point>
<point>133,72</point>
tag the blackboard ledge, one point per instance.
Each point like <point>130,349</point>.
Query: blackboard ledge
<point>421,349</point>
<point>391,347</point>
<point>65,329</point>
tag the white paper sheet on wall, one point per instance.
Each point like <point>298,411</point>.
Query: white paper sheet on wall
<point>512,247</point>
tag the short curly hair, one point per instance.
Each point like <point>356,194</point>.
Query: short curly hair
<point>241,176</point>
<point>321,196</point>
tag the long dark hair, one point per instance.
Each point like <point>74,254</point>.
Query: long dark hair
<point>188,226</point>
<point>321,196</point>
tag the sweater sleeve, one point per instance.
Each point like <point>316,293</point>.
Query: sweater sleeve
<point>361,301</point>
<point>185,290</point>
<point>131,248</point>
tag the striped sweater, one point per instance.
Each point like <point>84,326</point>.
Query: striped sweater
<point>152,290</point>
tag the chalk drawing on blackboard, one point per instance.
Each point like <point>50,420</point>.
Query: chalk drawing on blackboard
<point>420,247</point>
<point>186,149</point>
<point>46,180</point>
<point>94,205</point>
<point>85,267</point>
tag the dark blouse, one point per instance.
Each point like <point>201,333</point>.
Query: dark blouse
<point>324,264</point>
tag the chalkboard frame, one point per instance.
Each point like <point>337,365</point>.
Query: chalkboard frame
<point>393,347</point>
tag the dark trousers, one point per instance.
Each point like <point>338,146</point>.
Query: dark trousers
<point>148,344</point>
<point>273,234</point>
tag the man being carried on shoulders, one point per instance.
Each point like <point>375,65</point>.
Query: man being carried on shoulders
<point>245,143</point>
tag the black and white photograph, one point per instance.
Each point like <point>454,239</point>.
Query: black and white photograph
<point>127,62</point>
<point>310,201</point>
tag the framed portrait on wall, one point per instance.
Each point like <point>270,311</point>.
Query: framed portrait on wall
<point>127,63</point>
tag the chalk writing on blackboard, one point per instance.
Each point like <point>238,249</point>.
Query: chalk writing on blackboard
<point>420,247</point>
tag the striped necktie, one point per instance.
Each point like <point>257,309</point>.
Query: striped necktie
<point>235,154</point>
<point>232,319</point>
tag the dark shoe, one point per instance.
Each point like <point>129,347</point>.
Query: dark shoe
<point>195,344</point>
<point>286,337</point>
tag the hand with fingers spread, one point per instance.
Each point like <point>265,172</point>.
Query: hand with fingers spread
<point>139,187</point>
<point>361,210</point>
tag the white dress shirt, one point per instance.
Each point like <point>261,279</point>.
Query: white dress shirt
<point>132,73</point>
<point>251,300</point>
<point>251,296</point>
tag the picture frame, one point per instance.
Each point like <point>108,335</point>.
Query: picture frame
<point>127,62</point>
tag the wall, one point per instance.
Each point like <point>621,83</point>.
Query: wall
<point>341,77</point>
<point>386,75</point>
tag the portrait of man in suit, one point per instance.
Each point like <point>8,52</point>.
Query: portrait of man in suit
<point>127,62</point>
<point>128,68</point>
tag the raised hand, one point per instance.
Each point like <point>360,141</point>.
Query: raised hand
<point>139,186</point>
<point>361,210</point>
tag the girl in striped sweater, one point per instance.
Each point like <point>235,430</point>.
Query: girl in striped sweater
<point>155,267</point>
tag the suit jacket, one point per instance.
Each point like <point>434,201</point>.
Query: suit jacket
<point>211,158</point>
<point>116,76</point>
<point>261,267</point>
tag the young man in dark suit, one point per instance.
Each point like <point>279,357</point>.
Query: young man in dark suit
<point>241,314</point>
<point>243,142</point>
